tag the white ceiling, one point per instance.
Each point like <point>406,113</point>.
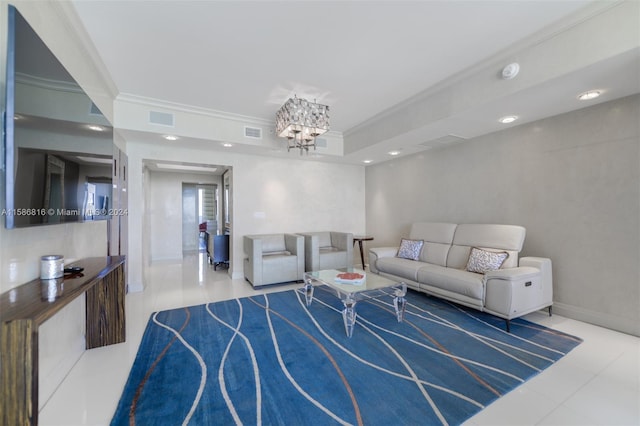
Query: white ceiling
<point>360,57</point>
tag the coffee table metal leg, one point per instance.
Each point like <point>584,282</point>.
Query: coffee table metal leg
<point>349,315</point>
<point>399,302</point>
<point>308,291</point>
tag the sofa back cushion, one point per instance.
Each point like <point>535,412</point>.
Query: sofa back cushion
<point>507,238</point>
<point>437,239</point>
<point>273,243</point>
<point>324,239</point>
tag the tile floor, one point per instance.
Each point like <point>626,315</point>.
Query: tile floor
<point>598,383</point>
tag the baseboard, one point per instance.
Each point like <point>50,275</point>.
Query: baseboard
<point>614,322</point>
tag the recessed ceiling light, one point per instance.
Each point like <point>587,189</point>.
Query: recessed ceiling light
<point>367,161</point>
<point>227,145</point>
<point>95,128</point>
<point>170,137</point>
<point>17,117</point>
<point>394,152</point>
<point>508,119</point>
<point>591,94</point>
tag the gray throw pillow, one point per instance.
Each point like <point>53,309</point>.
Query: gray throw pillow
<point>410,249</point>
<point>482,261</point>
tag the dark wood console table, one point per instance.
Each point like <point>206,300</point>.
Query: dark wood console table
<point>24,308</point>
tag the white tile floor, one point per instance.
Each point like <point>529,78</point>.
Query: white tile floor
<point>598,383</point>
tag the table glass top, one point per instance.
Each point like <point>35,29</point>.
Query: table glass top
<point>371,281</point>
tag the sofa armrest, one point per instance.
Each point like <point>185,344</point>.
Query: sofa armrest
<point>343,241</point>
<point>295,245</point>
<point>511,274</point>
<point>513,292</point>
<point>378,253</point>
<point>311,243</point>
<point>545,267</point>
<point>253,262</point>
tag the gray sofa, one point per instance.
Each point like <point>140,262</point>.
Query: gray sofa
<point>517,287</point>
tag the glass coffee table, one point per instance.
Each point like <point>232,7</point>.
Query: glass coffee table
<point>351,292</point>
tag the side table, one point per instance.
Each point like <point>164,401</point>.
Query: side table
<point>359,239</point>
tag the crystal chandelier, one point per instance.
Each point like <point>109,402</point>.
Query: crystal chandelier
<point>300,121</point>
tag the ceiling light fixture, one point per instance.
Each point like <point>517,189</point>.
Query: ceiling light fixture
<point>300,121</point>
<point>394,153</point>
<point>170,137</point>
<point>591,94</point>
<point>95,128</point>
<point>508,119</point>
<point>367,161</point>
<point>227,145</point>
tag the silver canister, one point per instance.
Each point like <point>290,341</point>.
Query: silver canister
<point>51,267</point>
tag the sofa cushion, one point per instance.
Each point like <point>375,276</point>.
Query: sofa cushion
<point>482,261</point>
<point>324,250</point>
<point>434,232</point>
<point>508,238</point>
<point>277,253</point>
<point>410,249</point>
<point>279,268</point>
<point>435,253</point>
<point>273,243</point>
<point>455,280</point>
<point>324,239</point>
<point>332,259</point>
<point>403,268</point>
<point>437,239</point>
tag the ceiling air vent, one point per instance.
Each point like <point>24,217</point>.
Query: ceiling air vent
<point>444,140</point>
<point>161,118</point>
<point>252,132</point>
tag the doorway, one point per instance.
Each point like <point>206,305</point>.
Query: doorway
<point>199,214</point>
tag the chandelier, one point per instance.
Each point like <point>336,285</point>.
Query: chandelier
<point>300,121</point>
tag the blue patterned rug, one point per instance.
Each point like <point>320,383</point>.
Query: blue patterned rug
<point>270,360</point>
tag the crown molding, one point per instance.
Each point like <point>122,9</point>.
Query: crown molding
<point>47,83</point>
<point>160,104</point>
<point>168,106</point>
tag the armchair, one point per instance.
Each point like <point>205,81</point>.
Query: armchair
<point>273,258</point>
<point>327,250</point>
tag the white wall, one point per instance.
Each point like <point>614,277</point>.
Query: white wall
<point>572,180</point>
<point>269,195</point>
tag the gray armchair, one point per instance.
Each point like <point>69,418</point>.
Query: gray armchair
<point>273,258</point>
<point>328,250</point>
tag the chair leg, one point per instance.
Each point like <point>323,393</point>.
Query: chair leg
<point>508,326</point>
<point>549,310</point>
